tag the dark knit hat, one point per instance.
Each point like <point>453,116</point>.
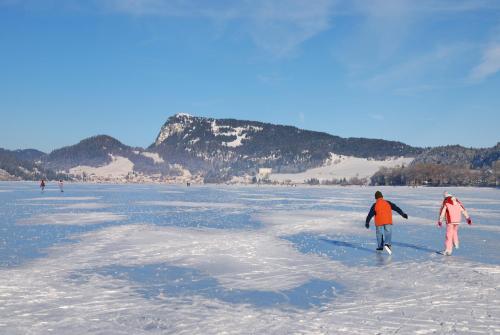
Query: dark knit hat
<point>378,194</point>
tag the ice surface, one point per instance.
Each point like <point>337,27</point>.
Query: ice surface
<point>146,259</point>
<point>61,198</point>
<point>73,218</point>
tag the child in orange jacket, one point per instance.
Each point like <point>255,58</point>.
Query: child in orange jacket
<point>382,210</point>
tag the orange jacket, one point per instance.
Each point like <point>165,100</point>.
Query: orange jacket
<point>382,210</point>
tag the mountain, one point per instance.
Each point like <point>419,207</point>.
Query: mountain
<point>92,151</point>
<point>213,150</point>
<point>228,147</point>
<point>13,168</point>
<point>31,155</point>
<point>457,155</point>
<point>105,151</point>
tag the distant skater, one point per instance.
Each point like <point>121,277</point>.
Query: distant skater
<point>42,185</point>
<point>451,211</point>
<point>382,210</point>
<point>61,185</point>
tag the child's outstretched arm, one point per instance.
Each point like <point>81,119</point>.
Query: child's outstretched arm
<point>398,210</point>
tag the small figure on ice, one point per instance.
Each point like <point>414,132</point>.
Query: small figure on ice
<point>451,210</point>
<point>382,210</point>
<point>61,185</point>
<point>42,185</point>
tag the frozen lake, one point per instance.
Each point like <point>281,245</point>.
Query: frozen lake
<point>151,259</point>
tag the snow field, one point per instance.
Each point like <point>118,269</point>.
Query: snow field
<point>339,167</point>
<point>143,278</point>
<point>118,167</point>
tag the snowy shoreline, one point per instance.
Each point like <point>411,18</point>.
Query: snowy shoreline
<point>221,185</point>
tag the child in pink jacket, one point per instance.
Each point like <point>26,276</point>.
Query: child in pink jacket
<point>452,210</point>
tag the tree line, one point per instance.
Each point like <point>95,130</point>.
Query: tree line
<point>437,175</point>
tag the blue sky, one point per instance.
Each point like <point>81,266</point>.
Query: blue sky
<point>423,72</point>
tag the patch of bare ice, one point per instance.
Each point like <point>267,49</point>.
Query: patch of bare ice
<point>62,198</point>
<point>191,204</point>
<point>85,205</point>
<point>79,219</point>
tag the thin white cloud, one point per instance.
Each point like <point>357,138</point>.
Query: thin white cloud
<point>281,26</point>
<point>278,27</point>
<point>414,90</point>
<point>396,8</point>
<point>384,33</point>
<point>489,65</point>
<point>178,8</point>
<point>302,117</point>
<point>378,117</point>
<point>271,79</point>
<point>418,73</point>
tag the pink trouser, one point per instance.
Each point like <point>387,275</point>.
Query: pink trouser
<point>451,236</point>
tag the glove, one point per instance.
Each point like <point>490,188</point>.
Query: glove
<point>367,225</point>
<point>440,224</point>
<point>469,221</point>
<point>405,216</point>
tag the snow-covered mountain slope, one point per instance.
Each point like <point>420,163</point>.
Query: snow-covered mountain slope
<point>153,155</point>
<point>339,167</point>
<point>460,156</point>
<point>105,157</point>
<point>4,175</point>
<point>119,167</point>
<point>223,148</point>
<point>220,150</point>
<point>16,168</point>
<point>93,151</point>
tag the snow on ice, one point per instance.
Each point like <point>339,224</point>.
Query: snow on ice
<point>242,260</point>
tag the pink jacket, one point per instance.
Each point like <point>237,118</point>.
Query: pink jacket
<point>452,209</point>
